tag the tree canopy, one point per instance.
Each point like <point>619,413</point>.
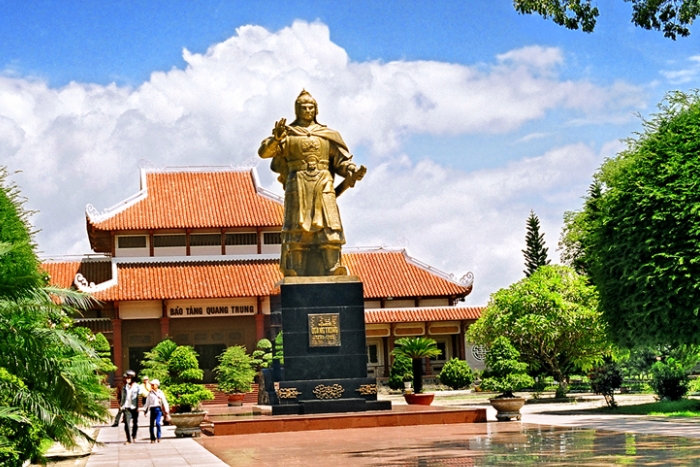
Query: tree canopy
<point>535,252</point>
<point>639,236</point>
<point>50,385</point>
<point>673,17</point>
<point>551,318</point>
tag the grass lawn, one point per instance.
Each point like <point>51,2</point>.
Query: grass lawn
<point>681,408</point>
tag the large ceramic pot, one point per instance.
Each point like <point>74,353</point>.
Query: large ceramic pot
<point>507,408</point>
<point>419,399</point>
<point>236,400</point>
<point>187,423</point>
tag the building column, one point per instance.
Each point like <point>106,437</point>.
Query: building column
<point>385,346</point>
<point>259,322</point>
<point>117,347</point>
<point>164,328</point>
<point>463,341</point>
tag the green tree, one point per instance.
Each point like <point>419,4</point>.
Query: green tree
<point>551,318</point>
<point>183,371</point>
<point>640,240</point>
<point>155,363</point>
<point>535,251</point>
<point>673,17</point>
<point>235,372</point>
<point>417,349</point>
<point>505,373</point>
<point>49,382</point>
<point>400,367</point>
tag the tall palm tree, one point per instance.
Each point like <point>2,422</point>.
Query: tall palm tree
<point>416,348</point>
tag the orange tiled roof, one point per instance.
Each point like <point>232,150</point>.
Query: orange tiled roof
<point>196,200</point>
<point>177,280</point>
<point>383,273</point>
<point>387,273</point>
<point>418,314</point>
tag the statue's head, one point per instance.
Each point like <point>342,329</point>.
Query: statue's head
<point>302,101</point>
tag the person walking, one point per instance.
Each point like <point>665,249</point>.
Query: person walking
<point>130,406</point>
<point>144,388</point>
<point>120,413</point>
<point>157,404</point>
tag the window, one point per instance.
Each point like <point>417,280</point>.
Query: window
<point>272,238</point>
<point>442,346</point>
<point>205,240</point>
<point>207,359</point>
<point>372,353</point>
<point>241,239</point>
<point>160,241</point>
<point>132,241</point>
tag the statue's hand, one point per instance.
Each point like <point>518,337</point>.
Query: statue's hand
<point>357,174</point>
<point>280,130</point>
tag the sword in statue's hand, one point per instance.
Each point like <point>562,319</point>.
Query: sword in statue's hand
<point>350,180</point>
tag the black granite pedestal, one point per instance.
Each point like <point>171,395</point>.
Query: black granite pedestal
<point>325,359</point>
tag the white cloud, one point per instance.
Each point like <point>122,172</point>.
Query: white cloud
<point>686,74</point>
<point>469,221</point>
<point>81,143</point>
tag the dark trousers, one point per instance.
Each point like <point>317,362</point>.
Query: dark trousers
<point>156,417</point>
<point>131,416</point>
<point>118,417</point>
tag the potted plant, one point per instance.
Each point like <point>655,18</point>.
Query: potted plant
<point>417,349</point>
<point>408,382</point>
<point>235,373</point>
<point>183,393</point>
<point>505,374</point>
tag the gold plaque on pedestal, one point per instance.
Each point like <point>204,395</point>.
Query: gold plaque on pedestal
<point>324,330</point>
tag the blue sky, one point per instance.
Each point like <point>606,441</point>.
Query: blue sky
<point>466,113</point>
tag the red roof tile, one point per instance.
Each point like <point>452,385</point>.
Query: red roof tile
<point>196,200</point>
<point>394,274</point>
<point>419,314</point>
<point>383,273</point>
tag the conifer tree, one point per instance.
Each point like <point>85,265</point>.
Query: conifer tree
<point>535,251</point>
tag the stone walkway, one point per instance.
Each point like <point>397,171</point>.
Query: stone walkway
<point>463,444</point>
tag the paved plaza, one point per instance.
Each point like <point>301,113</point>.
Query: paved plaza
<point>549,434</point>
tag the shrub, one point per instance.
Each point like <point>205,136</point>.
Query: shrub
<point>456,374</point>
<point>235,372</point>
<point>669,380</point>
<point>505,373</point>
<point>605,379</point>
<point>183,370</point>
<point>399,367</point>
<point>262,355</point>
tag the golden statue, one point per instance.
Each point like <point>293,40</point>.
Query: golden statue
<point>307,156</point>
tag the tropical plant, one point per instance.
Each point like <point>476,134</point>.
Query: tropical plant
<point>505,373</point>
<point>551,318</point>
<point>400,368</point>
<point>279,348</point>
<point>605,379</point>
<point>155,363</point>
<point>535,252</point>
<point>49,382</point>
<point>669,379</point>
<point>183,371</point>
<point>639,234</point>
<point>262,355</point>
<point>235,372</point>
<point>417,349</point>
<point>103,350</point>
<point>456,374</point>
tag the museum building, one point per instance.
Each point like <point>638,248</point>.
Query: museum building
<point>194,255</point>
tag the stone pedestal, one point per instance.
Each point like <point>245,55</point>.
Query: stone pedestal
<point>325,359</point>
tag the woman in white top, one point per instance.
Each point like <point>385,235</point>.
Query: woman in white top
<point>158,406</point>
